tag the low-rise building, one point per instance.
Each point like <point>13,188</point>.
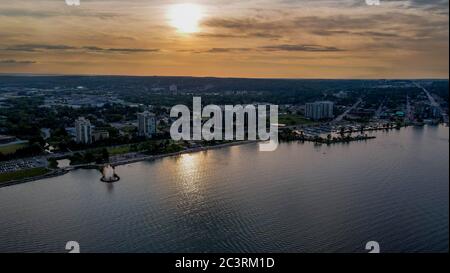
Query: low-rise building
<point>99,135</point>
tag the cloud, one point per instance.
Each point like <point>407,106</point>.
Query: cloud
<point>247,24</point>
<point>26,13</point>
<point>223,50</point>
<point>216,50</point>
<point>86,49</point>
<point>262,35</point>
<point>16,62</point>
<point>407,37</point>
<point>389,25</point>
<point>357,33</point>
<point>300,47</point>
<point>120,50</point>
<point>40,14</point>
<point>37,47</point>
<point>338,21</point>
<point>430,3</point>
<point>282,47</point>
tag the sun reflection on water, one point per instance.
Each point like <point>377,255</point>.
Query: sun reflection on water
<point>188,172</point>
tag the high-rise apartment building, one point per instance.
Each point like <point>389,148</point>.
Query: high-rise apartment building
<point>146,124</point>
<point>83,129</point>
<point>319,110</point>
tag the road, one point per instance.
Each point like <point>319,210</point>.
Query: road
<point>430,98</point>
<point>409,112</point>
<point>342,116</point>
<point>380,109</point>
<point>434,103</point>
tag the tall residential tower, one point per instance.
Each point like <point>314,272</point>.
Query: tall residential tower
<point>146,124</point>
<point>83,129</point>
<point>319,110</point>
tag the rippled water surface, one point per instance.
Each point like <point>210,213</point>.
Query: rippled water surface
<point>301,198</point>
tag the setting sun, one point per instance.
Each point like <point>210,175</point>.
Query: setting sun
<point>185,17</point>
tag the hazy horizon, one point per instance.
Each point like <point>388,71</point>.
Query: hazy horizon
<point>213,77</point>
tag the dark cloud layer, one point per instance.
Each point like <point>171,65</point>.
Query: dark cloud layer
<point>394,27</point>
<point>15,62</point>
<point>241,36</point>
<point>37,47</point>
<point>282,47</point>
<point>298,47</point>
<point>120,50</point>
<point>41,14</point>
<point>46,47</point>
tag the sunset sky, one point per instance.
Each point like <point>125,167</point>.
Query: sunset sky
<point>227,38</point>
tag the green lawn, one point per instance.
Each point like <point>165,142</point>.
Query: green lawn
<point>5,177</point>
<point>291,119</point>
<point>127,148</point>
<point>119,150</point>
<point>10,149</point>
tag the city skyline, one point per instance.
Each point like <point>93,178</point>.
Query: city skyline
<point>255,39</point>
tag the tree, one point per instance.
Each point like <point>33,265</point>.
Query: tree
<point>89,157</point>
<point>362,128</point>
<point>53,163</point>
<point>134,148</point>
<point>329,137</point>
<point>342,131</point>
<point>105,155</point>
<point>302,135</point>
<point>59,132</point>
<point>317,139</point>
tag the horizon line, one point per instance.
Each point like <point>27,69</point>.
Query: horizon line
<point>201,77</point>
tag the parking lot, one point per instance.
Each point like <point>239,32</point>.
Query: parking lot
<point>17,165</point>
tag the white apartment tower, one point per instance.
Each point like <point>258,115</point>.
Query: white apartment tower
<point>319,110</point>
<point>146,124</point>
<point>83,129</point>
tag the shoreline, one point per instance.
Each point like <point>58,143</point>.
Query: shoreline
<point>63,171</point>
<point>50,174</point>
<point>155,157</point>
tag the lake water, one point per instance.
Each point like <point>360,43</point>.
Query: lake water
<point>300,198</point>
